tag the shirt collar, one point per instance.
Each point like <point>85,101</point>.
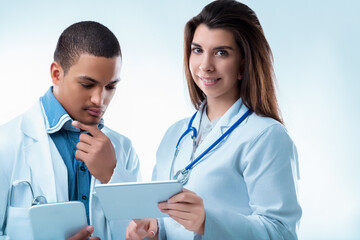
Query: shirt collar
<point>56,117</point>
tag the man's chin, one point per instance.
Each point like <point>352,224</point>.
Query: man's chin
<point>89,122</point>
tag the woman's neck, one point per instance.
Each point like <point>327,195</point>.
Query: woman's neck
<point>217,107</point>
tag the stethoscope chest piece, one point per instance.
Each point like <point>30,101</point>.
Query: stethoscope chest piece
<point>38,200</point>
<point>182,176</point>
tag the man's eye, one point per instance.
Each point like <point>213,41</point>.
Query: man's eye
<point>110,87</point>
<point>86,85</point>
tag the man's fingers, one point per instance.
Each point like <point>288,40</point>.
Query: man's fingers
<point>153,228</point>
<point>83,147</point>
<point>146,227</point>
<point>92,129</point>
<point>84,233</point>
<point>86,138</point>
<point>139,222</point>
<point>80,155</point>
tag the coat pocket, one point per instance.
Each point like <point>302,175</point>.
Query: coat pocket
<point>18,224</point>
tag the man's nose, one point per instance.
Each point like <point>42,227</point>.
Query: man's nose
<point>97,97</point>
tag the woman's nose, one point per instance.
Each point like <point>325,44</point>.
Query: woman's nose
<point>206,64</point>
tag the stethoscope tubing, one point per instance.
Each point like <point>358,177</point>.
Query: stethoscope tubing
<point>192,129</point>
<point>196,160</point>
<point>189,129</point>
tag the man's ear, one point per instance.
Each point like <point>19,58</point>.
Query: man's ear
<point>56,72</point>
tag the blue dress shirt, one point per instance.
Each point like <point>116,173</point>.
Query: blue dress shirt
<point>65,136</point>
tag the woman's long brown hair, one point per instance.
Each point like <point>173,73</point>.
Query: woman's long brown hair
<point>257,88</point>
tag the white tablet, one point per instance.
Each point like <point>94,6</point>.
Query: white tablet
<point>57,220</point>
<point>134,200</point>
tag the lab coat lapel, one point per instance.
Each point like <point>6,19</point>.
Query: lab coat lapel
<point>37,153</point>
<point>226,121</point>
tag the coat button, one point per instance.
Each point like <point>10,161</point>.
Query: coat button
<point>84,197</point>
<point>82,168</point>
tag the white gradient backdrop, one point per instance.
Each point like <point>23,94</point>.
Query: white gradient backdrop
<point>316,51</point>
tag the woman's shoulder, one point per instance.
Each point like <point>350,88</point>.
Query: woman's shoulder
<point>261,126</point>
<point>177,127</point>
<point>262,122</point>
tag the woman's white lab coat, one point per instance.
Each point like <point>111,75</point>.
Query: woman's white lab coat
<point>28,153</point>
<point>248,182</point>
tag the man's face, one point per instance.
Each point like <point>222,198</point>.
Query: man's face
<point>88,86</point>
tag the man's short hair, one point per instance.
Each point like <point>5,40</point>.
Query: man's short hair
<point>85,38</point>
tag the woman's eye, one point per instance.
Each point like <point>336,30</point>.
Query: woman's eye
<point>196,50</point>
<point>222,53</point>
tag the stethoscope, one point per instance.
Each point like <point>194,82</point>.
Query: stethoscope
<point>183,175</point>
<point>36,200</point>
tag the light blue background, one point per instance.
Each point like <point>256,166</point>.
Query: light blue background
<point>316,50</point>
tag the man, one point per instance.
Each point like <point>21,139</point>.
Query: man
<point>63,159</point>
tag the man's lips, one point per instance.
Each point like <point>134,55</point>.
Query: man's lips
<point>96,112</point>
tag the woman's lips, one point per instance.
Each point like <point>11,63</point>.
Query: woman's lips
<point>95,112</point>
<point>209,81</point>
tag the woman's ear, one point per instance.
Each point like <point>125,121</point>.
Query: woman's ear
<point>241,70</point>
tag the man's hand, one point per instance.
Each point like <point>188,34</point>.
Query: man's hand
<point>96,151</point>
<point>139,229</point>
<point>84,234</point>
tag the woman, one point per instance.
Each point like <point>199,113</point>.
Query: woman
<point>245,185</point>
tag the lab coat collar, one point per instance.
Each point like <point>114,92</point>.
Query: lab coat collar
<point>226,121</point>
<point>56,116</point>
<point>37,151</point>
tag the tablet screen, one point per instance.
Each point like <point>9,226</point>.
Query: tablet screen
<point>134,200</point>
<point>57,220</point>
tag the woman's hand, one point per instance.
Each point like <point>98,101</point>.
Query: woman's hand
<point>139,229</point>
<point>186,208</point>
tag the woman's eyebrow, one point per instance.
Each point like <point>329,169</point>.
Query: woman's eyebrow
<point>223,47</point>
<point>195,44</point>
<point>216,48</point>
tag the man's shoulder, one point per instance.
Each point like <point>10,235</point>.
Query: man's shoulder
<point>116,138</point>
<point>16,121</point>
<point>11,126</point>
<point>13,129</point>
<point>10,140</point>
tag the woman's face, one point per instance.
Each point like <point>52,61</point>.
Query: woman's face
<point>215,63</point>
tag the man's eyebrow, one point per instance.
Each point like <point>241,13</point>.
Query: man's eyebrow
<point>88,79</point>
<point>95,81</point>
